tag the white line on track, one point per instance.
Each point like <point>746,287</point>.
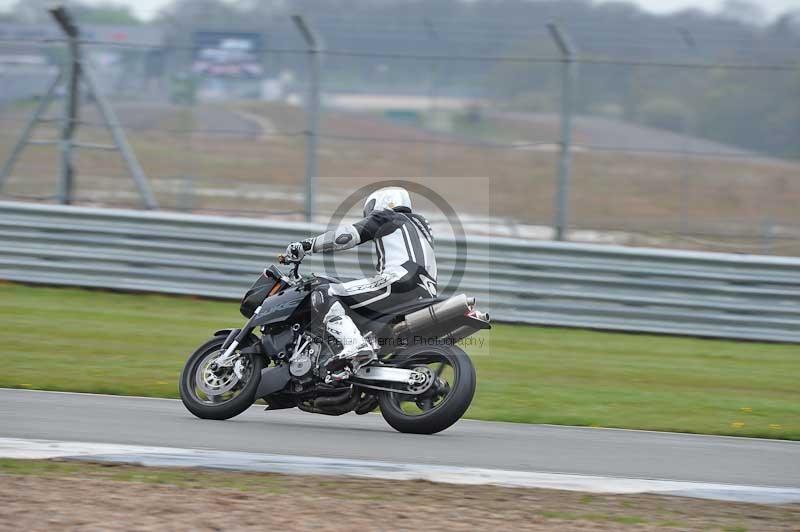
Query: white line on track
<point>307,465</point>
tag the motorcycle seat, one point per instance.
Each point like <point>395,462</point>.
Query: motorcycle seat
<point>329,278</point>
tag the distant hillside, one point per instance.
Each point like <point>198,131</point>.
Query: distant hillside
<point>383,45</point>
<point>639,65</point>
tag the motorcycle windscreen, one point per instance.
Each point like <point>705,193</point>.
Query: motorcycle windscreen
<point>263,286</point>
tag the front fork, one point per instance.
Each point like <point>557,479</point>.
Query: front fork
<point>231,343</point>
<point>234,340</point>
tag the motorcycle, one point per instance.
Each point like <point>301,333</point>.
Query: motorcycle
<point>422,381</point>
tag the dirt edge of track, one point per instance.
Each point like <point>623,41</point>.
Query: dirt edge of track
<point>41,495</point>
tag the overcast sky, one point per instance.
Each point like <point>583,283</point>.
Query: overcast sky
<point>147,8</point>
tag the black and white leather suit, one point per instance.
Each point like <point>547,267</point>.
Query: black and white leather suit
<point>406,270</point>
<point>406,264</point>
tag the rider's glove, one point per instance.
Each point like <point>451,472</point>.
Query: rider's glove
<point>295,251</point>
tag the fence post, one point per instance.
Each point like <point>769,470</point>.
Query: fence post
<point>76,71</point>
<point>312,108</point>
<point>71,104</point>
<point>568,77</point>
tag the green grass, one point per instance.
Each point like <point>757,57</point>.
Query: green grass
<point>597,517</point>
<point>94,341</point>
<point>184,478</point>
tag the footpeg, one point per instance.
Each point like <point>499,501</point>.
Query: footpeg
<point>338,376</point>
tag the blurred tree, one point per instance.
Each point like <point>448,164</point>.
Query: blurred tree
<point>36,11</point>
<point>665,113</point>
<point>107,13</point>
<point>744,10</point>
<point>31,11</point>
<point>755,109</point>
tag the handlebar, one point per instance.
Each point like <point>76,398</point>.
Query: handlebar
<point>286,260</point>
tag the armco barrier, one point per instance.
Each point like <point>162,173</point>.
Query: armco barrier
<point>576,285</point>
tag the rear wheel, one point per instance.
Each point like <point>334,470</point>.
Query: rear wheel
<point>219,393</point>
<point>443,402</point>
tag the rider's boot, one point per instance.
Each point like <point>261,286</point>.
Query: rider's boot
<point>356,350</point>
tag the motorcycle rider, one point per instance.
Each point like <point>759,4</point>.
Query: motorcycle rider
<point>406,268</point>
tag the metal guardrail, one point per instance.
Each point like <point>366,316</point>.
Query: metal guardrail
<point>576,285</point>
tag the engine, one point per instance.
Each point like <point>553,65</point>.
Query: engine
<point>305,356</point>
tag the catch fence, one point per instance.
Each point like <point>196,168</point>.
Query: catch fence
<point>670,144</point>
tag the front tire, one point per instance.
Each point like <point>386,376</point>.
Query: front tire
<point>239,394</point>
<point>436,412</point>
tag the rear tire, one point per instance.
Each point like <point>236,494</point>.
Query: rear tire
<point>452,407</point>
<point>229,408</point>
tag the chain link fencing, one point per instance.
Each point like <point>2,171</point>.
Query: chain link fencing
<point>651,164</point>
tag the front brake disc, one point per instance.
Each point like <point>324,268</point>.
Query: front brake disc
<point>213,382</point>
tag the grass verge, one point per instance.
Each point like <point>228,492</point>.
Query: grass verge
<point>103,342</point>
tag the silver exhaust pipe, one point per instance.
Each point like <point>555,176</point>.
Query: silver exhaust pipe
<point>438,315</point>
<point>459,333</point>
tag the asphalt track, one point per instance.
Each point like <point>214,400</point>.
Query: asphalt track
<point>516,447</point>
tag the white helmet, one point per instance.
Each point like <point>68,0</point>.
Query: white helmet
<point>387,198</point>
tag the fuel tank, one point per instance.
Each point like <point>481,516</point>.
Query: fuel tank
<point>279,307</point>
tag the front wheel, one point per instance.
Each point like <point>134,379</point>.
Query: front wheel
<point>443,402</point>
<point>220,393</point>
